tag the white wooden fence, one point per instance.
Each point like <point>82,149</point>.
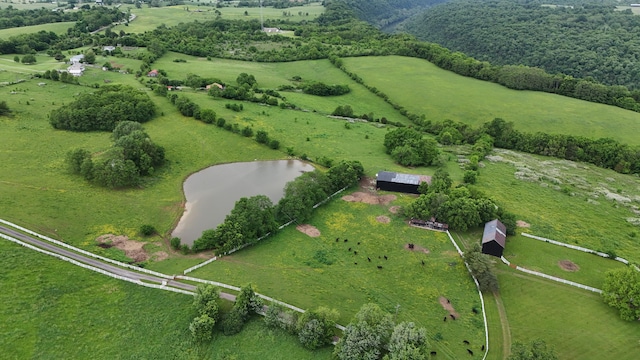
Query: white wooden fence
<point>93,268</point>
<point>557,279</point>
<point>84,252</point>
<point>484,314</point>
<point>579,248</point>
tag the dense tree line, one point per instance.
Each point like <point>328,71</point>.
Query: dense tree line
<point>588,39</point>
<point>11,17</point>
<point>103,109</point>
<point>255,217</point>
<point>385,13</point>
<point>131,156</point>
<point>322,89</point>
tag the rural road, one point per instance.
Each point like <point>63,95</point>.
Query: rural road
<point>101,265</point>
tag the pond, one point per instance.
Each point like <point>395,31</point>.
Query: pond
<point>212,193</point>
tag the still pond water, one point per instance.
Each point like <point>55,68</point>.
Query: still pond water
<point>212,193</point>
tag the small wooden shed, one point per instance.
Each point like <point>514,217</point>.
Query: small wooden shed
<point>494,238</point>
<point>406,183</point>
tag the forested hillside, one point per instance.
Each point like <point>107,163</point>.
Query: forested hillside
<point>386,13</point>
<point>582,39</point>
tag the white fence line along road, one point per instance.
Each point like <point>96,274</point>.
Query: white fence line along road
<point>95,269</point>
<point>484,314</point>
<point>557,279</point>
<point>84,252</point>
<point>579,248</point>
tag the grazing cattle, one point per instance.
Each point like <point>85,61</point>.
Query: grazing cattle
<point>475,311</point>
<point>380,267</point>
<point>386,258</point>
<point>453,317</point>
<point>470,352</point>
<point>423,262</point>
<point>358,242</point>
<point>355,263</point>
<point>444,319</point>
<point>355,253</point>
<point>337,239</point>
<point>433,353</point>
<point>465,341</point>
<point>411,246</point>
<point>448,302</point>
<point>349,249</point>
<point>379,257</point>
<point>482,348</point>
<point>369,259</point>
<point>345,240</point>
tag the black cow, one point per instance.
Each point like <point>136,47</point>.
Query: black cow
<point>345,240</point>
<point>355,263</point>
<point>423,262</point>
<point>380,267</point>
<point>470,352</point>
<point>433,353</point>
<point>465,341</point>
<point>369,259</point>
<point>355,253</point>
<point>444,319</point>
<point>349,249</point>
<point>358,242</point>
<point>337,239</point>
<point>453,317</point>
<point>475,311</point>
<point>482,348</point>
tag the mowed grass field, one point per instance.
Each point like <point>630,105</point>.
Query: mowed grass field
<point>576,322</point>
<point>423,88</point>
<point>148,18</point>
<point>310,272</point>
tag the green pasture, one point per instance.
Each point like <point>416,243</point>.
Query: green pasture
<point>58,28</point>
<point>310,272</point>
<point>575,219</point>
<point>53,309</point>
<point>423,88</point>
<point>148,18</point>
<point>43,63</point>
<point>68,312</point>
<point>26,5</point>
<point>575,322</point>
<point>545,257</point>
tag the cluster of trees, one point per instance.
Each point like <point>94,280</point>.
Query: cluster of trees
<point>460,207</point>
<point>314,328</point>
<point>588,39</point>
<point>373,334</point>
<point>247,90</point>
<point>408,147</point>
<point>54,75</point>
<point>481,268</point>
<point>131,156</point>
<point>103,109</point>
<point>28,43</point>
<point>95,18</point>
<point>537,349</point>
<point>621,290</point>
<point>385,13</point>
<point>255,217</point>
<point>322,89</point>
<point>205,304</point>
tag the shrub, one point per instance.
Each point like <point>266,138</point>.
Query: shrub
<point>247,131</point>
<point>175,243</point>
<point>232,322</point>
<point>147,230</point>
<point>470,177</point>
<point>220,122</point>
<point>262,137</point>
<point>274,144</point>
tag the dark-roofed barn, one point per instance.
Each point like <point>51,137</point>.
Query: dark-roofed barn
<point>406,183</point>
<point>494,238</point>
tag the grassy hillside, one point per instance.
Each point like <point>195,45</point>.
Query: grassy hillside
<point>423,88</point>
<point>58,28</point>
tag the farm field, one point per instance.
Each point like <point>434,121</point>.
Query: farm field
<point>576,322</point>
<point>58,28</point>
<point>318,271</point>
<point>148,18</point>
<point>423,88</point>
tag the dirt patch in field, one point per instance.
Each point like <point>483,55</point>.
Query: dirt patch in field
<point>568,265</point>
<point>308,230</point>
<point>160,256</point>
<point>446,304</point>
<point>522,224</point>
<point>368,198</point>
<point>414,247</point>
<point>383,219</point>
<point>132,249</point>
<point>394,209</point>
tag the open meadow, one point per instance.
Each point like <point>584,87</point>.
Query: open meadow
<point>58,28</point>
<point>423,88</point>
